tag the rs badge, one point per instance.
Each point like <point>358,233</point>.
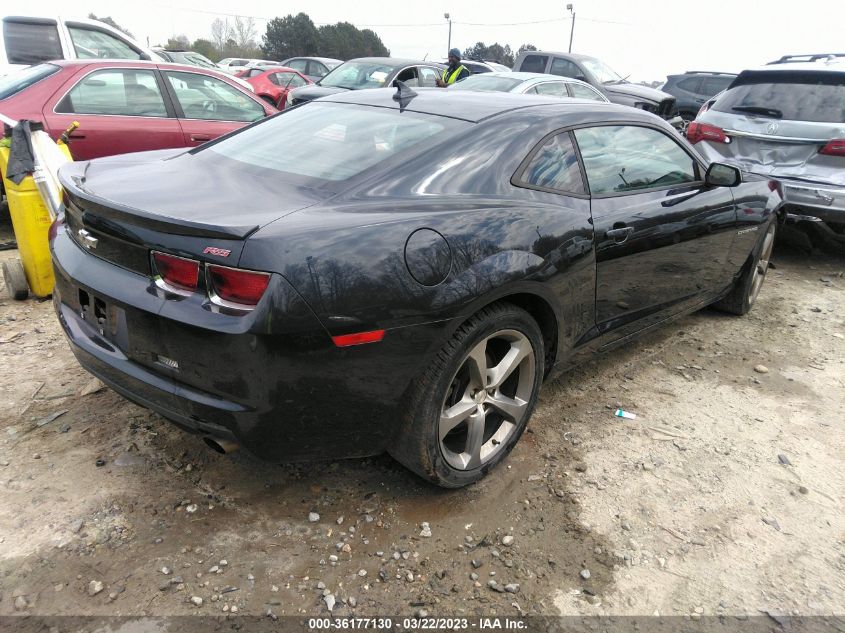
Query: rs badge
<point>213,250</point>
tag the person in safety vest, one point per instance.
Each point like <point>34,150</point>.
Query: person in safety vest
<point>455,72</point>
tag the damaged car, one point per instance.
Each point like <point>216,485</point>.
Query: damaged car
<point>786,121</point>
<point>395,270</point>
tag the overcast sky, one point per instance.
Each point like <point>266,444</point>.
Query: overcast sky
<point>645,39</point>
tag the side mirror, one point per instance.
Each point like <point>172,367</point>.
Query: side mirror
<point>722,175</point>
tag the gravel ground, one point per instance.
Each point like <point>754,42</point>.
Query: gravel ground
<point>723,496</point>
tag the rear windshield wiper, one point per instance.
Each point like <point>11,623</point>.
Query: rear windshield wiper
<point>773,113</point>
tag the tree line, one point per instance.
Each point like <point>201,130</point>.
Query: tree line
<point>295,35</point>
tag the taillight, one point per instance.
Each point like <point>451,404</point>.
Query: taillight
<point>704,132</point>
<point>836,147</point>
<point>177,273</point>
<point>232,285</point>
<point>359,338</point>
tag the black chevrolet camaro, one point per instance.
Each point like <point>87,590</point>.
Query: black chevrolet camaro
<point>361,273</point>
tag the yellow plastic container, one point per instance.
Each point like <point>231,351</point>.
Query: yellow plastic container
<point>31,223</point>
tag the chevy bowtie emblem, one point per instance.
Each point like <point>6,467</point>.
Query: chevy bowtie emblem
<point>87,240</point>
<point>213,250</point>
<point>772,128</point>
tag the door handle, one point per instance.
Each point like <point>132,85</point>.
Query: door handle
<point>621,234</point>
<point>76,135</point>
<point>200,137</point>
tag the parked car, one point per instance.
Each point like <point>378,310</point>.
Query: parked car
<point>192,58</point>
<point>529,83</point>
<point>693,88</point>
<point>28,40</point>
<point>400,274</point>
<point>603,78</point>
<point>315,68</point>
<point>273,84</point>
<point>125,106</point>
<point>232,65</point>
<point>369,72</point>
<point>786,121</point>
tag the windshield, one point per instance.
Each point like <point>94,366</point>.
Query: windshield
<point>603,73</point>
<point>822,101</point>
<point>357,75</point>
<point>22,79</point>
<point>486,83</point>
<point>194,59</point>
<point>331,141</point>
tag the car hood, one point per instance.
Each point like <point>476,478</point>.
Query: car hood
<point>776,148</point>
<point>638,91</point>
<point>307,93</point>
<point>179,191</point>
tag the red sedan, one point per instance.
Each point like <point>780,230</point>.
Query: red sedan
<point>273,84</point>
<point>129,106</point>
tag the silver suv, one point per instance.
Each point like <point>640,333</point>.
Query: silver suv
<point>786,121</point>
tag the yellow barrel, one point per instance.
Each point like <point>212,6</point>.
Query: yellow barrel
<point>31,223</point>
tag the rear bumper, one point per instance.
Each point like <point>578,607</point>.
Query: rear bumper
<point>271,381</point>
<point>825,202</point>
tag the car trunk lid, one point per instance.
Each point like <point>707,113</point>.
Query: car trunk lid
<point>164,213</point>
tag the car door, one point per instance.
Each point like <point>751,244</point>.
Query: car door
<point>119,110</point>
<point>208,107</point>
<point>662,236</point>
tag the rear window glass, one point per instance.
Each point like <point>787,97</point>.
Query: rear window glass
<point>819,98</point>
<point>333,141</point>
<point>486,83</point>
<point>31,43</point>
<point>22,79</point>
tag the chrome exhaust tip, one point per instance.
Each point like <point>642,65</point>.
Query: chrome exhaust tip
<point>219,445</point>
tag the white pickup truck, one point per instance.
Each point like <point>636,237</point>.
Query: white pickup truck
<point>27,40</point>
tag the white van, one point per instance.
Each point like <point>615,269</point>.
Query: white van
<point>27,40</point>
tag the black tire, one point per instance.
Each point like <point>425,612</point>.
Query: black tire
<point>744,293</point>
<point>15,278</point>
<point>502,331</point>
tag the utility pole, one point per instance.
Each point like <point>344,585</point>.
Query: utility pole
<point>572,29</point>
<point>449,45</point>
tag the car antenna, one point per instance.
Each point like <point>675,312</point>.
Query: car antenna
<point>403,94</point>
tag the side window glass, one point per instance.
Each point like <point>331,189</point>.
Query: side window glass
<point>555,166</point>
<point>115,92</point>
<point>28,43</point>
<point>298,64</point>
<point>204,97</point>
<point>93,44</point>
<point>552,88</point>
<point>277,79</point>
<point>690,85</point>
<point>316,69</point>
<point>565,68</point>
<point>428,77</point>
<point>532,91</point>
<point>715,85</point>
<point>620,158</point>
<point>534,63</point>
<point>583,92</point>
<point>409,76</point>
<point>295,80</point>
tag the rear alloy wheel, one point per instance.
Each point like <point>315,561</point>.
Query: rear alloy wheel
<point>744,293</point>
<point>470,408</point>
<point>15,279</point>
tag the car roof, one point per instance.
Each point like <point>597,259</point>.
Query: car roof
<point>134,63</point>
<point>836,65</point>
<point>529,76</point>
<point>392,61</point>
<point>572,55</point>
<point>319,59</point>
<point>477,106</point>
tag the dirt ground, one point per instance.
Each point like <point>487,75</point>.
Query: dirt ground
<point>724,496</point>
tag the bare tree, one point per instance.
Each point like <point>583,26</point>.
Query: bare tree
<point>244,33</point>
<point>221,33</point>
